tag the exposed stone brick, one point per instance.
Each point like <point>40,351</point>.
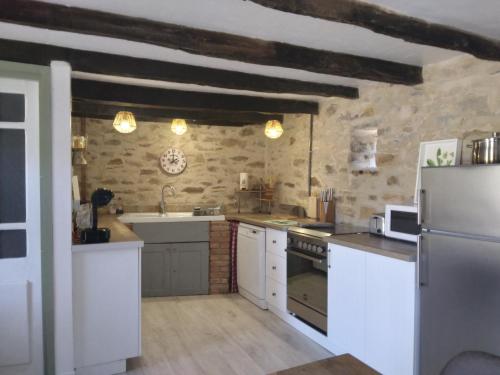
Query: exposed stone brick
<point>219,257</point>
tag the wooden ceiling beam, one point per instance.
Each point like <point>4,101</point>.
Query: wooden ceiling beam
<point>108,110</point>
<point>106,91</point>
<point>387,22</point>
<point>204,42</point>
<point>133,67</point>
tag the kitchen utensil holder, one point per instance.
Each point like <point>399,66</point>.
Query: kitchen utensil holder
<point>328,215</point>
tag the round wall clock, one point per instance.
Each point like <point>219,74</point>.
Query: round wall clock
<point>173,161</point>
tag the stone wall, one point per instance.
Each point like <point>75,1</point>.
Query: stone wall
<point>287,161</point>
<point>459,99</point>
<point>129,164</point>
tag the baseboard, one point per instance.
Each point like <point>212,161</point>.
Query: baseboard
<point>306,330</point>
<point>110,368</point>
<point>260,302</point>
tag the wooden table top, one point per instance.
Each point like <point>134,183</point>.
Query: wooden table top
<point>344,364</point>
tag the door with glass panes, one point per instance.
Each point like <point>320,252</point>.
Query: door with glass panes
<point>21,343</point>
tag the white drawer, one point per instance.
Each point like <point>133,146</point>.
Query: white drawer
<point>276,242</point>
<point>276,294</point>
<point>276,268</point>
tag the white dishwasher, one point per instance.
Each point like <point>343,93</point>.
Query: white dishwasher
<point>251,264</point>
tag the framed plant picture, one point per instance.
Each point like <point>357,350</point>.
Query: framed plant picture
<point>442,153</point>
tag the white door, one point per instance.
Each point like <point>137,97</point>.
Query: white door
<point>21,342</point>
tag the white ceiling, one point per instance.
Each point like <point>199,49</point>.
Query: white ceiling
<point>249,19</point>
<point>477,16</point>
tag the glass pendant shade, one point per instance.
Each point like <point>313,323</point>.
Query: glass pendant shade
<point>124,122</point>
<point>273,129</point>
<point>179,126</point>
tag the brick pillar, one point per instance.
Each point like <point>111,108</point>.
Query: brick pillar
<point>219,257</point>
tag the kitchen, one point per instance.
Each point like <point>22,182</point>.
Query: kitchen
<point>221,254</point>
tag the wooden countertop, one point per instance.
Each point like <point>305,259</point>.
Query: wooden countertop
<point>401,250</point>
<point>367,242</point>
<point>121,235</point>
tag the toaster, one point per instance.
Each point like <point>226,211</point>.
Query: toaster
<point>377,224</point>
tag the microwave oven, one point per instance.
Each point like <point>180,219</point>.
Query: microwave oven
<point>401,222</point>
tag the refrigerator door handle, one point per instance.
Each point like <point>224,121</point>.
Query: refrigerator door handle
<point>422,264</point>
<point>421,213</point>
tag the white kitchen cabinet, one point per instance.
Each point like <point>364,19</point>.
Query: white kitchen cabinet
<point>276,295</point>
<point>106,306</point>
<point>276,270</point>
<point>390,314</point>
<point>346,300</point>
<point>371,309</point>
<point>276,242</point>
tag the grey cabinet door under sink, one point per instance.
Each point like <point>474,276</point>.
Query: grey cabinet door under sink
<point>156,270</point>
<point>190,268</point>
<point>175,269</point>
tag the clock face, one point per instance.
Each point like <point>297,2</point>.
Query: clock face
<point>173,161</point>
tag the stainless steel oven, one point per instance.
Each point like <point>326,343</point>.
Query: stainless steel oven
<point>307,279</point>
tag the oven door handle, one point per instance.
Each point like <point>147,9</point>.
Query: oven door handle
<point>305,256</point>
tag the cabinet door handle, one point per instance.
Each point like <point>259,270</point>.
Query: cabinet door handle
<point>328,261</point>
<point>254,231</point>
<point>274,294</point>
<point>274,267</point>
<point>274,241</point>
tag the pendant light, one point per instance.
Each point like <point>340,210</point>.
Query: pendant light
<point>273,129</point>
<point>179,126</point>
<point>124,122</point>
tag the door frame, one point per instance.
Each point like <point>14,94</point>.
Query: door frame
<point>62,220</point>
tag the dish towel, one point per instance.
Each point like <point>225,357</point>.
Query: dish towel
<point>233,245</point>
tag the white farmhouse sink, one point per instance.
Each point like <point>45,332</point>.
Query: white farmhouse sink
<point>155,217</point>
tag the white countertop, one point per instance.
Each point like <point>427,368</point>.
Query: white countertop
<point>169,217</point>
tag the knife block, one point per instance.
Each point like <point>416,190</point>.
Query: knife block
<point>327,216</point>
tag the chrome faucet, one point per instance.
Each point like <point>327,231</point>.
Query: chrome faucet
<point>163,206</point>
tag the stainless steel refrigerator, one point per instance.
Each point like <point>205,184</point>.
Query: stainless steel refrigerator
<point>459,264</point>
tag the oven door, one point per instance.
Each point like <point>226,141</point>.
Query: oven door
<point>307,287</point>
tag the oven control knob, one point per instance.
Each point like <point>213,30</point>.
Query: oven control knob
<point>304,245</point>
<point>299,244</point>
<point>321,249</point>
<point>317,249</point>
<point>310,247</point>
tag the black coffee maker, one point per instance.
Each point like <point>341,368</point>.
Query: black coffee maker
<point>100,198</point>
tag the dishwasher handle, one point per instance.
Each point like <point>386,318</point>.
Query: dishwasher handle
<point>251,231</point>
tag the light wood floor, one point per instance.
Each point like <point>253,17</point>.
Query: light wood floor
<point>219,334</point>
